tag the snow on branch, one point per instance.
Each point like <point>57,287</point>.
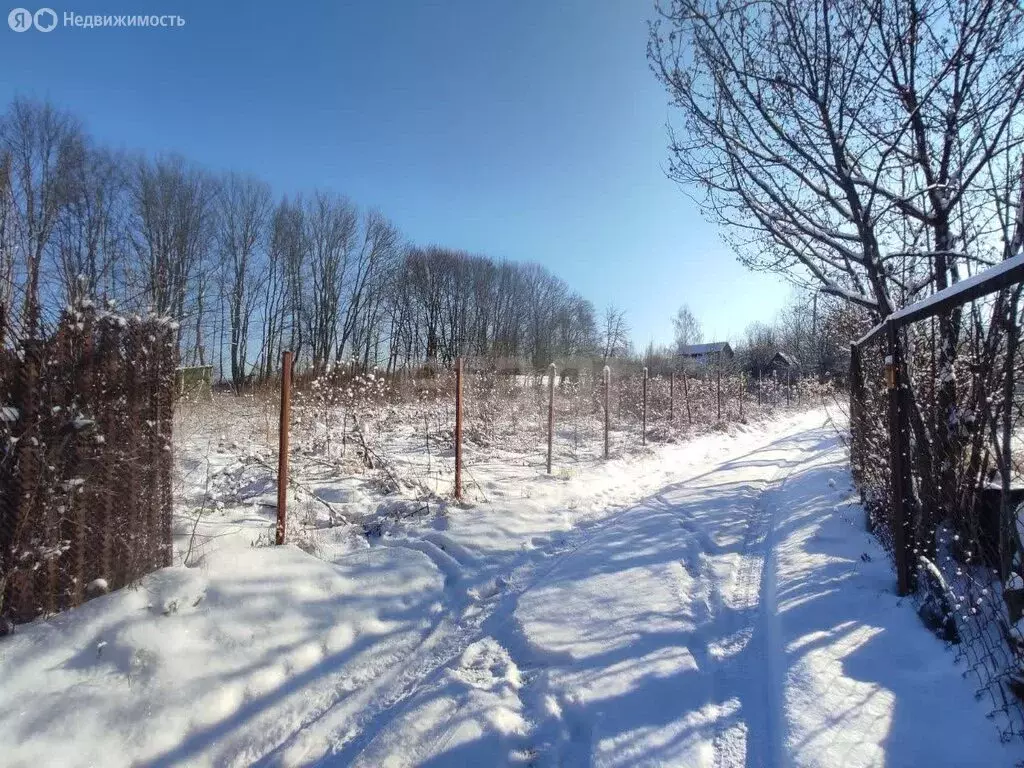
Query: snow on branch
<point>851,296</point>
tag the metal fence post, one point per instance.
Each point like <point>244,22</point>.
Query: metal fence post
<point>458,429</point>
<point>607,407</point>
<point>551,411</point>
<point>741,395</point>
<point>686,399</point>
<point>282,447</point>
<point>718,385</point>
<point>643,424</point>
<point>671,396</point>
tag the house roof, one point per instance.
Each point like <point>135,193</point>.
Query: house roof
<point>698,350</point>
<point>788,359</point>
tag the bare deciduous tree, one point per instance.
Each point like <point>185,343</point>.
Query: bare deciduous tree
<point>6,245</point>
<point>614,333</point>
<point>377,253</point>
<point>687,328</point>
<point>42,147</point>
<point>869,149</point>
<point>852,143</point>
<point>171,204</point>
<point>329,234</point>
<point>242,214</point>
<point>91,233</point>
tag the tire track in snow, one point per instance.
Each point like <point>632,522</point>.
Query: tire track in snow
<point>497,619</point>
<point>693,562</point>
<point>341,733</point>
<point>356,721</point>
<point>754,671</point>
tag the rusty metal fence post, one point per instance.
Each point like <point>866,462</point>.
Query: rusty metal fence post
<point>718,385</point>
<point>551,411</point>
<point>643,425</point>
<point>607,405</point>
<point>458,429</point>
<point>671,396</point>
<point>282,446</point>
<point>686,399</point>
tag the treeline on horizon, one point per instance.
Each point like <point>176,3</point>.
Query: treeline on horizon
<point>248,273</point>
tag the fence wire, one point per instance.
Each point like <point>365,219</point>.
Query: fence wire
<point>406,422</point>
<point>961,510</point>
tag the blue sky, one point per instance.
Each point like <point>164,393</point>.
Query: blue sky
<point>523,129</point>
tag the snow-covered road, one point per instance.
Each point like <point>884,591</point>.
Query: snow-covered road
<point>737,615</point>
<point>737,618</point>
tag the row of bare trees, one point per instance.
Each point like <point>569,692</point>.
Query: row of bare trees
<point>448,304</point>
<point>247,273</point>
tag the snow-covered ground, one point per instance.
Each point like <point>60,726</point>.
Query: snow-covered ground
<point>711,602</point>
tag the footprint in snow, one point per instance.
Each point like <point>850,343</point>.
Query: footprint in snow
<point>487,665</point>
<point>489,589</point>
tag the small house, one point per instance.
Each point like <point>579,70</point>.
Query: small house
<point>706,354</point>
<point>784,364</point>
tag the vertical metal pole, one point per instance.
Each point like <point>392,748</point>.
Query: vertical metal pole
<point>671,396</point>
<point>643,427</point>
<point>897,457</point>
<point>686,399</point>
<point>607,406</point>
<point>718,386</point>
<point>282,447</point>
<point>741,395</point>
<point>759,389</point>
<point>458,429</point>
<point>551,411</point>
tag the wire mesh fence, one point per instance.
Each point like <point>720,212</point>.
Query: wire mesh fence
<point>937,452</point>
<point>406,423</point>
<point>85,459</point>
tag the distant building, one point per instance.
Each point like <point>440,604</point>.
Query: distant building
<point>706,354</point>
<point>783,363</point>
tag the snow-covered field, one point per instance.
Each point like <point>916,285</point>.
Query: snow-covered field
<point>709,602</point>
